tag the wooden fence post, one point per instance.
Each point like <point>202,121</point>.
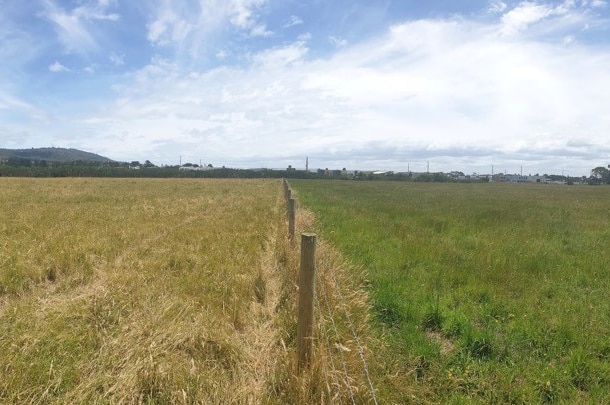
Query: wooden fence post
<point>288,197</point>
<point>291,217</point>
<point>286,190</point>
<point>306,299</point>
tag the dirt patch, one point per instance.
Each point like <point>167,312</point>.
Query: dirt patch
<point>445,344</point>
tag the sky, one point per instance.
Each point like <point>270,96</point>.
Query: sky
<point>470,85</point>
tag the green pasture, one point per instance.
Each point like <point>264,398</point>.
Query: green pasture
<point>486,293</point>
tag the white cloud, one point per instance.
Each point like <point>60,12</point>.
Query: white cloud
<point>548,17</point>
<point>243,12</point>
<point>595,3</point>
<point>117,60</point>
<point>8,102</point>
<point>304,37</point>
<point>183,17</point>
<point>71,30</point>
<point>57,67</point>
<point>282,56</point>
<point>72,26</point>
<point>260,31</point>
<point>16,106</point>
<point>524,15</point>
<point>453,91</point>
<point>425,88</point>
<point>195,28</point>
<point>496,6</point>
<point>96,11</point>
<point>169,27</point>
<point>294,20</point>
<point>222,54</point>
<point>569,39</point>
<point>337,42</point>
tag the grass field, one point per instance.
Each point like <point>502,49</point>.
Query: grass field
<point>486,293</point>
<point>136,290</point>
<point>183,291</point>
<point>166,291</point>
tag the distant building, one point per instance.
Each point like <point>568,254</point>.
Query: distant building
<point>195,167</point>
<point>517,178</point>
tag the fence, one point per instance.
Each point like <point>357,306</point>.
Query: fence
<point>308,301</point>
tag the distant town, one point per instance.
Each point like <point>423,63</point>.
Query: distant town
<point>60,162</point>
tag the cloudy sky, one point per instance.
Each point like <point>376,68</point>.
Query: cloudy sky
<point>362,84</point>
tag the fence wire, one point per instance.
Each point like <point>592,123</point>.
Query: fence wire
<point>354,334</point>
<point>337,337</point>
<point>325,294</point>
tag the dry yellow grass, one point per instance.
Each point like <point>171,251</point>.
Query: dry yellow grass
<point>347,354</point>
<point>166,291</point>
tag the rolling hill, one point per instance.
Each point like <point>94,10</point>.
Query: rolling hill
<point>53,155</point>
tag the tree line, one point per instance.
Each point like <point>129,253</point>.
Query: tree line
<point>21,167</point>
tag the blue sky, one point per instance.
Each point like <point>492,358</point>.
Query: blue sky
<point>389,85</point>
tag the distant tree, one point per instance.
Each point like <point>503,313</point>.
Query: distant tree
<point>600,175</point>
<point>148,163</point>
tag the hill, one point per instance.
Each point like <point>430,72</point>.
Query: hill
<point>52,155</point>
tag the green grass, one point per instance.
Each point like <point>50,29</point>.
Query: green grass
<point>490,293</point>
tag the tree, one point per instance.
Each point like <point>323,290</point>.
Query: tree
<point>600,175</point>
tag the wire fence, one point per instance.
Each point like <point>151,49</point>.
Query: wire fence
<point>336,326</point>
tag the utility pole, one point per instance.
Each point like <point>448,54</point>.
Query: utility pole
<point>306,164</point>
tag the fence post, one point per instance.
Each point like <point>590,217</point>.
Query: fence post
<point>291,217</point>
<point>286,190</point>
<point>306,299</point>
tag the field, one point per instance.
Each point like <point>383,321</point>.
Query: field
<point>156,291</point>
<point>184,291</point>
<point>486,293</point>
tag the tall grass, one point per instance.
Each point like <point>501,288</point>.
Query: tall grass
<point>167,291</point>
<point>490,293</point>
<point>137,290</point>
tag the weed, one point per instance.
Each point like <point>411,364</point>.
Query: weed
<point>433,318</point>
<point>479,344</point>
<point>548,392</point>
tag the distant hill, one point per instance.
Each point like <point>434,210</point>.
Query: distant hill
<point>52,155</point>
